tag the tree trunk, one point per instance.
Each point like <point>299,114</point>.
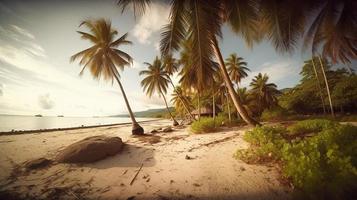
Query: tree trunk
<point>199,107</point>
<point>243,113</point>
<point>327,88</point>
<point>182,100</point>
<point>319,85</point>
<point>229,107</point>
<point>214,108</point>
<point>175,123</point>
<point>137,129</point>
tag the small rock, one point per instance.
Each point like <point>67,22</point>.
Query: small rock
<point>147,180</point>
<point>172,181</point>
<point>154,131</point>
<point>37,163</point>
<point>187,157</point>
<point>131,198</point>
<point>242,168</point>
<point>167,129</point>
<point>196,185</point>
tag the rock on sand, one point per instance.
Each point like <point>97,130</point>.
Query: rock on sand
<point>90,149</point>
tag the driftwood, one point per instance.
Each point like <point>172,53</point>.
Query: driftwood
<point>132,181</point>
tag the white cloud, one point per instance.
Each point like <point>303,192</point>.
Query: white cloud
<point>22,31</point>
<point>1,89</point>
<point>151,22</point>
<point>276,71</point>
<point>45,101</point>
<point>138,65</point>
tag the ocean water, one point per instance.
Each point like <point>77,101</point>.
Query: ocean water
<point>15,122</point>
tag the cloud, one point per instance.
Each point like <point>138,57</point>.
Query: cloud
<point>22,31</point>
<point>1,89</point>
<point>277,72</point>
<point>45,101</point>
<point>151,22</point>
<point>138,65</point>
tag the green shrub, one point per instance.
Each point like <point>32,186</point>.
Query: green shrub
<point>205,125</point>
<point>324,166</point>
<point>276,113</point>
<point>321,167</point>
<point>311,126</point>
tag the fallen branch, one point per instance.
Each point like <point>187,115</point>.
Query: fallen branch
<point>132,181</point>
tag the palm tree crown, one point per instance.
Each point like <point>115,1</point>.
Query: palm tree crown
<point>236,68</point>
<point>156,78</point>
<point>103,58</point>
<point>264,92</point>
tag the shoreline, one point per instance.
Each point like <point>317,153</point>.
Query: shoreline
<point>19,132</point>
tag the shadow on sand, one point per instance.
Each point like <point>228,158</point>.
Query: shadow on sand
<point>130,156</point>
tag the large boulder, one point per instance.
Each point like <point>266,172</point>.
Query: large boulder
<point>90,149</point>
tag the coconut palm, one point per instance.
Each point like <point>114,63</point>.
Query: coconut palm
<point>156,80</point>
<point>265,93</point>
<point>171,66</point>
<point>179,100</point>
<point>104,59</point>
<point>237,68</point>
<point>200,22</point>
<point>327,87</point>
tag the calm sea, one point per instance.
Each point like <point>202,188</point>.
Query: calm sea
<point>14,122</point>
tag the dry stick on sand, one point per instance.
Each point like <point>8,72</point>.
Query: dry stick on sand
<point>132,181</point>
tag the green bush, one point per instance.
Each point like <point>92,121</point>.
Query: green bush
<point>276,113</point>
<point>205,125</point>
<point>324,166</point>
<point>321,167</point>
<point>310,126</point>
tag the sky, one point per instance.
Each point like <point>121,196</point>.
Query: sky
<point>37,39</point>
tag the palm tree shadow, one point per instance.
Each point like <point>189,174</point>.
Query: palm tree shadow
<point>130,156</point>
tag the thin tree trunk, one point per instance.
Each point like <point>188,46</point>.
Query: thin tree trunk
<point>199,107</point>
<point>214,108</point>
<point>229,107</point>
<point>175,123</point>
<point>319,85</point>
<point>237,103</point>
<point>137,129</point>
<point>327,87</point>
<point>182,100</point>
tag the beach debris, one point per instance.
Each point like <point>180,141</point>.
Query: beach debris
<point>147,180</point>
<point>131,198</point>
<point>125,172</point>
<point>242,168</point>
<point>37,163</point>
<point>167,129</point>
<point>187,157</point>
<point>197,185</point>
<point>172,181</point>
<point>90,149</point>
<point>154,131</point>
<point>132,181</point>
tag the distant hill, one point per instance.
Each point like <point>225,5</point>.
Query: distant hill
<point>151,113</point>
<point>285,90</point>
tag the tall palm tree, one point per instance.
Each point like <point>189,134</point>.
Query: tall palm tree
<point>171,66</point>
<point>104,59</point>
<point>179,100</point>
<point>282,22</point>
<point>156,80</point>
<point>200,22</point>
<point>264,92</point>
<point>237,68</point>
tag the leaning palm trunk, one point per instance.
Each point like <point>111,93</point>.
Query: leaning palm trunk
<point>175,123</point>
<point>327,88</point>
<point>182,100</point>
<point>237,103</point>
<point>137,129</point>
<point>319,85</point>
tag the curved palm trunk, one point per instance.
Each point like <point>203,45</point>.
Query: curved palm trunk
<point>319,86</point>
<point>237,103</point>
<point>182,100</point>
<point>175,123</point>
<point>137,129</point>
<point>327,88</point>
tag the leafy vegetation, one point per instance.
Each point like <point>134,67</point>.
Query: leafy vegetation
<point>274,113</point>
<point>206,125</point>
<point>323,166</point>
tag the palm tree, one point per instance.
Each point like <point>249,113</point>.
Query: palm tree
<point>201,23</point>
<point>264,92</point>
<point>179,100</point>
<point>104,58</point>
<point>237,68</point>
<point>171,66</point>
<point>156,80</point>
<point>282,22</point>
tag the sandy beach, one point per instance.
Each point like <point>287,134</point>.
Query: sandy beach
<point>175,165</point>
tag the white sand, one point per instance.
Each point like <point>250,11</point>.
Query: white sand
<point>211,172</point>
